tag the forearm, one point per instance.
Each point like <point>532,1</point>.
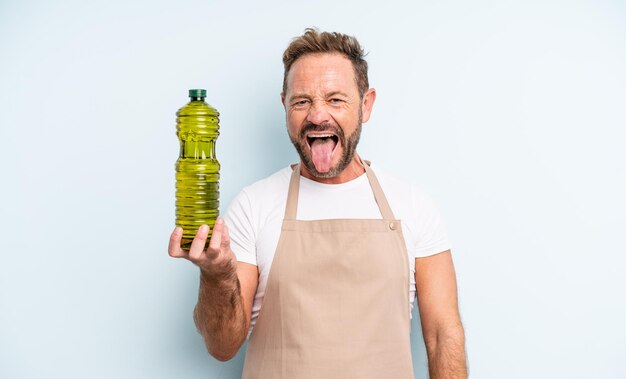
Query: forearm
<point>446,353</point>
<point>219,315</point>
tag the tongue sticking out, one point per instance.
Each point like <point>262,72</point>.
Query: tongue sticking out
<point>322,153</point>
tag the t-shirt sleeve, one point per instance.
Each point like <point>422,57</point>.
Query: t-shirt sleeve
<point>238,219</point>
<point>431,234</point>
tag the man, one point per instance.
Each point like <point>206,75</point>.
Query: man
<point>347,252</point>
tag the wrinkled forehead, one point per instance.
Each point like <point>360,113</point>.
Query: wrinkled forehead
<point>322,72</point>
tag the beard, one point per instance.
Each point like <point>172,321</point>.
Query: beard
<point>348,146</point>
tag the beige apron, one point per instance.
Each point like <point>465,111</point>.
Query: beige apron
<point>336,304</point>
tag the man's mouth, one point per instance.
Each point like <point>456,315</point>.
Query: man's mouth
<point>322,146</point>
<point>317,138</point>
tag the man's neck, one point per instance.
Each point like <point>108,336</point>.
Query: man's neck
<point>351,172</point>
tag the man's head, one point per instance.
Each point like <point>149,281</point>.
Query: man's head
<point>315,42</point>
<point>326,97</point>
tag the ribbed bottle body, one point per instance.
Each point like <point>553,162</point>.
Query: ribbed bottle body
<point>197,168</point>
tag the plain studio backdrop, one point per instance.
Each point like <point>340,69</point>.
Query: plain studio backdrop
<point>511,114</point>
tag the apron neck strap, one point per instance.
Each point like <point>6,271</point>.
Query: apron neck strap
<point>292,196</point>
<point>379,195</point>
<point>291,209</point>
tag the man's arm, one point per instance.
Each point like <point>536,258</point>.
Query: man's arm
<point>222,314</point>
<point>435,282</point>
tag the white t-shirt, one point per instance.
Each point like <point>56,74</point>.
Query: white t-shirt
<point>255,216</point>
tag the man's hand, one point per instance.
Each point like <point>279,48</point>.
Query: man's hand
<point>217,262</point>
<point>222,314</point>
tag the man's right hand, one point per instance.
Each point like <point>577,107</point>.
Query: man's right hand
<point>217,262</point>
<point>227,289</point>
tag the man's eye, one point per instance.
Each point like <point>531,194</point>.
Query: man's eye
<point>335,101</point>
<point>301,103</point>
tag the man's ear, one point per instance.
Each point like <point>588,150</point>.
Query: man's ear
<point>368,103</point>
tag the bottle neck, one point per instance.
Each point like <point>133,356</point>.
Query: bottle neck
<point>193,98</point>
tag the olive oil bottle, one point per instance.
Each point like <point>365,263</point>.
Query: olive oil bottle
<point>197,168</point>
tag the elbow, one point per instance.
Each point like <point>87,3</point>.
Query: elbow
<point>219,348</point>
<point>449,334</point>
<point>222,356</point>
<point>222,341</point>
<point>223,350</point>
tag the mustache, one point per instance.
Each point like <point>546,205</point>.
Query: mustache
<point>323,127</point>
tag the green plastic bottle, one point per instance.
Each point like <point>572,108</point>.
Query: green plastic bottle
<point>197,168</point>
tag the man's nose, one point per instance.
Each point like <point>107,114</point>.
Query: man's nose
<point>318,113</point>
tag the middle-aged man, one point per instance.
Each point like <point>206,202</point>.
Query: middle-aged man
<point>321,261</point>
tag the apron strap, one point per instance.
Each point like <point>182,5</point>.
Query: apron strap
<point>379,195</point>
<point>292,196</point>
<point>291,209</point>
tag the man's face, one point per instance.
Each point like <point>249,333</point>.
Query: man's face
<point>324,112</point>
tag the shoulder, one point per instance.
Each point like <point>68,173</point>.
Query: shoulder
<point>390,182</point>
<point>268,186</point>
<point>404,195</point>
<point>250,211</point>
<point>263,195</point>
<point>421,218</point>
<point>400,187</point>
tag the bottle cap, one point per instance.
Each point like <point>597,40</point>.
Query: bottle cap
<point>197,93</point>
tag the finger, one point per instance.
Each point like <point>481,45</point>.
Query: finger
<point>225,238</point>
<point>174,248</point>
<point>216,238</point>
<point>197,245</point>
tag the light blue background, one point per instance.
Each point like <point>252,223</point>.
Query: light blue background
<point>510,113</point>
